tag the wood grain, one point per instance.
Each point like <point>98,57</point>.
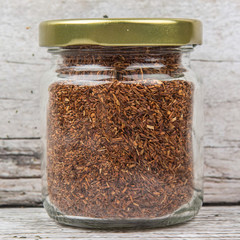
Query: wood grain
<point>22,63</point>
<point>21,192</point>
<point>33,223</point>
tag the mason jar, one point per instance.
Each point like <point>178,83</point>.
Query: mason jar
<point>121,122</point>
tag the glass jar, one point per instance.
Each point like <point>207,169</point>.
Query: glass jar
<point>122,122</point>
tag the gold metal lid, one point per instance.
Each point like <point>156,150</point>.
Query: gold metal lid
<point>120,32</point>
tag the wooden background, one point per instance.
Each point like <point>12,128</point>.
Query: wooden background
<point>22,62</point>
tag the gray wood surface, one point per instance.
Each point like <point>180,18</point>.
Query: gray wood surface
<point>222,223</point>
<point>22,63</point>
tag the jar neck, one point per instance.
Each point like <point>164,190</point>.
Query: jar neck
<point>122,61</point>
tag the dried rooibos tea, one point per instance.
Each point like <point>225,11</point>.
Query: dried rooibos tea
<point>120,147</point>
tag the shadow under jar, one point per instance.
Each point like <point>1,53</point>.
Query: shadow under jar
<point>122,125</point>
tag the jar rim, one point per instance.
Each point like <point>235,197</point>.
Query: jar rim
<point>120,32</point>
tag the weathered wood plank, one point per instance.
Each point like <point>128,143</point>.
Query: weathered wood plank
<point>219,162</point>
<point>33,223</point>
<point>222,163</point>
<point>21,192</point>
<point>27,147</point>
<point>19,167</point>
<point>19,158</point>
<point>221,102</point>
<point>221,190</point>
<point>20,186</point>
<point>27,191</point>
<point>19,118</point>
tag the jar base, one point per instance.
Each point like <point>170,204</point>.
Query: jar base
<point>183,214</point>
